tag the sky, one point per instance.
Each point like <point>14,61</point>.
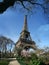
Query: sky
<point>11,24</point>
<point>1,0</point>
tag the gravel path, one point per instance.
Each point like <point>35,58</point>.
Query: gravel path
<point>15,62</point>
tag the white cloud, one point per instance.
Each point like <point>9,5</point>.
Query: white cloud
<point>42,36</point>
<point>44,28</point>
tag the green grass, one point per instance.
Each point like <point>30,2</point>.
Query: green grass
<point>4,62</point>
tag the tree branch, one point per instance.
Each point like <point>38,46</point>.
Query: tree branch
<point>34,3</point>
<point>8,3</point>
<point>5,4</point>
<point>24,6</point>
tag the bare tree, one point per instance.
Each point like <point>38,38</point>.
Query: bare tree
<point>5,45</point>
<point>26,4</point>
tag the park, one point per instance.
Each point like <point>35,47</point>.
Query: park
<point>24,32</point>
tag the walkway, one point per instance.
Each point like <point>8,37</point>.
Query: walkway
<point>14,62</point>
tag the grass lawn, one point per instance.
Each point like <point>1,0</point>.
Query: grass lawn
<point>4,62</point>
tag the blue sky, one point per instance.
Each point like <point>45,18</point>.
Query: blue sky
<point>11,23</point>
<point>1,0</point>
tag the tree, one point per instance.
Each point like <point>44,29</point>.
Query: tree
<point>26,4</point>
<point>46,49</point>
<point>5,45</point>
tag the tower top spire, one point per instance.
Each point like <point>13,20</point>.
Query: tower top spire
<point>25,27</point>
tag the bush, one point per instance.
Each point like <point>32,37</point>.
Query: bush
<point>33,60</point>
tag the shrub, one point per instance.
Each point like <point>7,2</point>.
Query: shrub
<point>33,60</point>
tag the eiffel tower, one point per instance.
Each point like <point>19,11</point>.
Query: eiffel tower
<point>25,40</point>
